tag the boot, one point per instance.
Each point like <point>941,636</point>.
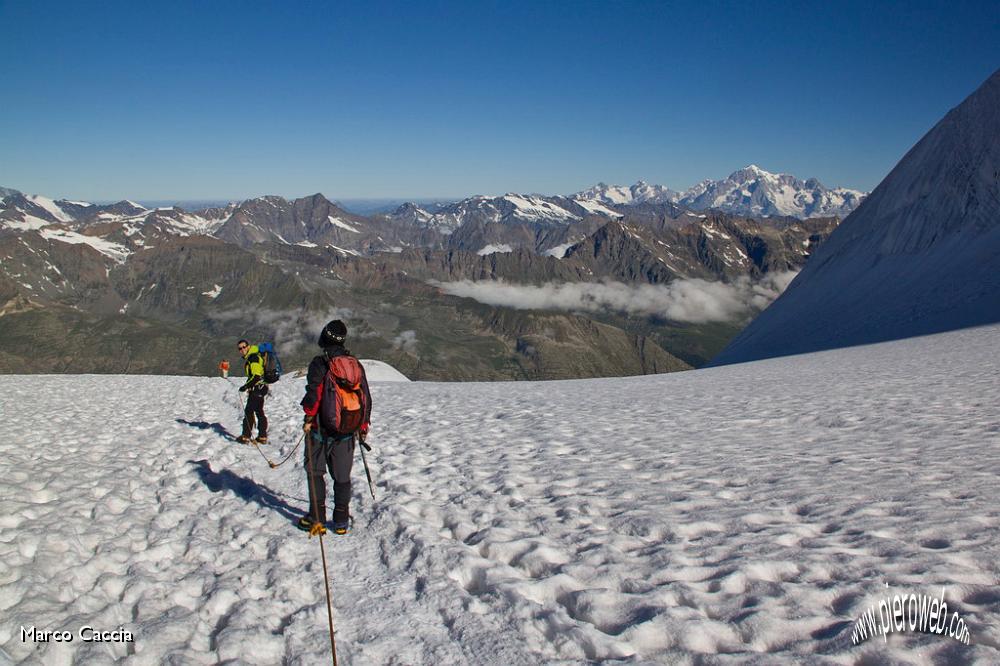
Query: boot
<point>307,521</point>
<point>341,520</point>
<point>306,524</point>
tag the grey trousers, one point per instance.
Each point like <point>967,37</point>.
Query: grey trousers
<point>336,455</point>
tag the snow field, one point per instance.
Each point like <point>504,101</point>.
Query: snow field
<point>749,513</point>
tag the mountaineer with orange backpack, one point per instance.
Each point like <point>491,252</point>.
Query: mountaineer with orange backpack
<point>338,407</point>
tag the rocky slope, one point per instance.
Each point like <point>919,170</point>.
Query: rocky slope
<point>274,268</point>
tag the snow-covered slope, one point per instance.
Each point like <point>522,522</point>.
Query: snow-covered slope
<point>50,206</point>
<point>27,212</point>
<point>745,514</point>
<point>380,371</point>
<point>510,208</point>
<point>33,212</point>
<point>921,254</point>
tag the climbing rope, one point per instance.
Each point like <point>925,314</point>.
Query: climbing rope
<point>319,530</point>
<point>285,459</point>
<point>272,465</point>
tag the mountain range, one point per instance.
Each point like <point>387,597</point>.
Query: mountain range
<point>131,284</point>
<point>750,191</point>
<point>485,224</point>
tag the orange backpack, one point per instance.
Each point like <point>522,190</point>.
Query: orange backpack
<point>343,405</point>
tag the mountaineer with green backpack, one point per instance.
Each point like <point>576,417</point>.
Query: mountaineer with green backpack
<point>262,367</point>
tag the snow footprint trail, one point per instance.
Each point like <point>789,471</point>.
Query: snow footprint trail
<point>132,515</point>
<point>747,513</point>
<point>143,512</point>
<point>692,514</point>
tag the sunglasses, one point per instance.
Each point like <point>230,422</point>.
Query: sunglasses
<point>241,347</point>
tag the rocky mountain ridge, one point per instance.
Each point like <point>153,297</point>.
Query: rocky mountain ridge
<point>546,224</point>
<point>262,264</point>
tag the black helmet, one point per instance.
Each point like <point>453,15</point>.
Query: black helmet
<point>333,333</point>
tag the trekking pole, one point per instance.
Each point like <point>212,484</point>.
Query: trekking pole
<point>318,529</point>
<point>364,445</point>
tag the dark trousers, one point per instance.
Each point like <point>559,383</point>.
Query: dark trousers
<point>254,413</point>
<point>336,455</point>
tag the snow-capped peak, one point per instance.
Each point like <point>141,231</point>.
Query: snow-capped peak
<point>752,191</point>
<point>641,192</point>
<point>757,192</point>
<point>49,206</point>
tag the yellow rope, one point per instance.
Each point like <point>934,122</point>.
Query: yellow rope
<point>285,459</point>
<point>319,530</point>
<point>272,465</point>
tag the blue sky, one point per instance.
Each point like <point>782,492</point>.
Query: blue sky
<point>206,100</point>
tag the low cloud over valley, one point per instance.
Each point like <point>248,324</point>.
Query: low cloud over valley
<point>692,300</point>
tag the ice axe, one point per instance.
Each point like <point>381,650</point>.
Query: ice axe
<point>364,445</point>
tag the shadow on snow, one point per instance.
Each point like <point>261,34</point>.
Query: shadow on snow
<point>246,489</point>
<point>217,428</point>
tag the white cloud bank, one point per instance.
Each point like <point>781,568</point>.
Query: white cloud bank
<point>406,341</point>
<point>694,300</point>
<point>290,330</point>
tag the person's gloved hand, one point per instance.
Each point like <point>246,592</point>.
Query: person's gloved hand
<point>363,433</point>
<point>307,424</point>
<point>243,389</point>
